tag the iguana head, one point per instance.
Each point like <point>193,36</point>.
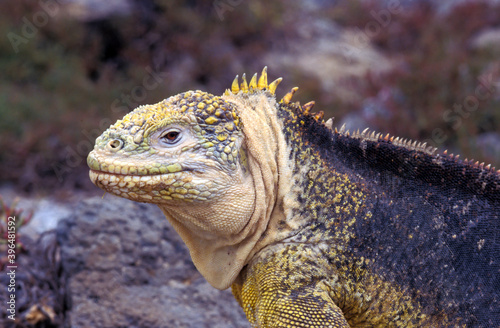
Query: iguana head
<point>210,163</point>
<point>184,149</point>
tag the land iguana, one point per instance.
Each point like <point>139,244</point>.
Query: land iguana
<point>312,226</point>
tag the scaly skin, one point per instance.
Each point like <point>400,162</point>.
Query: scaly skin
<point>312,227</point>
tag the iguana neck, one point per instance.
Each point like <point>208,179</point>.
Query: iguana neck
<point>324,201</point>
<point>283,166</point>
<point>267,161</point>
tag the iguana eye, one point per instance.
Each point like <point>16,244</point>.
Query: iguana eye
<point>171,137</point>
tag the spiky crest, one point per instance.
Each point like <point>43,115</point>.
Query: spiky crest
<point>244,84</point>
<point>408,144</point>
<point>378,137</point>
<point>260,83</point>
<point>307,107</point>
<point>286,99</point>
<point>254,85</point>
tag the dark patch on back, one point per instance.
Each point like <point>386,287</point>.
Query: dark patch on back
<point>435,225</point>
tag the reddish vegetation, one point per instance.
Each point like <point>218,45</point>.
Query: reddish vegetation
<point>11,220</point>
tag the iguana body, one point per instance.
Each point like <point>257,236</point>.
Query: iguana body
<point>312,227</point>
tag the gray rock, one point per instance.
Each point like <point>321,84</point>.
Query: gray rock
<point>127,267</point>
<point>487,39</point>
<point>489,145</point>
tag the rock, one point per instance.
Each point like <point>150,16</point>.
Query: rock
<point>40,299</point>
<point>445,6</point>
<point>46,214</point>
<point>487,39</point>
<point>338,58</point>
<point>489,145</point>
<point>92,10</point>
<point>126,267</point>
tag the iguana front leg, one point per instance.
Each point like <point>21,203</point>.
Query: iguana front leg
<point>278,290</point>
<point>269,303</point>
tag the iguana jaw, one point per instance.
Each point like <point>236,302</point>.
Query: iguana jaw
<point>157,189</point>
<point>214,223</point>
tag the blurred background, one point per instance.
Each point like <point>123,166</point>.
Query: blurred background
<point>418,69</point>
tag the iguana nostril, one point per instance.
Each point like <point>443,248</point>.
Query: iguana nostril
<point>115,144</point>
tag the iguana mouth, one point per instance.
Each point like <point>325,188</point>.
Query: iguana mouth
<point>154,188</point>
<point>119,174</point>
<point>126,169</point>
<point>113,179</point>
<point>129,180</point>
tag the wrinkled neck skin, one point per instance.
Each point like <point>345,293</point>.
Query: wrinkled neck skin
<point>229,231</point>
